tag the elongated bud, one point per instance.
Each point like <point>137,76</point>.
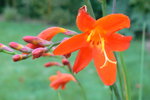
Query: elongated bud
<point>19,57</point>
<point>65,61</point>
<point>20,47</point>
<point>4,47</point>
<point>38,52</point>
<point>50,64</point>
<point>70,32</point>
<point>36,41</point>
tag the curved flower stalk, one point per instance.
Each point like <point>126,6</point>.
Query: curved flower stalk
<point>49,33</point>
<point>60,80</point>
<point>98,42</point>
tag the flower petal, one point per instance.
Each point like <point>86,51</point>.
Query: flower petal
<point>118,42</point>
<point>63,86</point>
<point>83,59</point>
<point>70,45</point>
<point>49,33</point>
<point>113,22</point>
<point>55,85</point>
<point>53,78</point>
<point>84,21</point>
<point>107,73</point>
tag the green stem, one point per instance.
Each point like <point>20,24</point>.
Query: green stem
<point>116,91</point>
<point>111,93</point>
<point>10,53</point>
<point>120,78</point>
<point>103,2</point>
<point>79,84</point>
<point>120,81</point>
<point>125,78</point>
<point>89,6</point>
<point>82,89</point>
<point>59,95</point>
<point>52,45</point>
<point>142,62</point>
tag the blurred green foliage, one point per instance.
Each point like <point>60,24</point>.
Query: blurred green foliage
<point>139,13</point>
<point>60,12</point>
<point>10,14</point>
<point>63,12</point>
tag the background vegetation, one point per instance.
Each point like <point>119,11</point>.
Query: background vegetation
<point>63,12</point>
<point>28,79</point>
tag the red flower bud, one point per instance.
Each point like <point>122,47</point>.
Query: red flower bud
<point>67,55</point>
<point>65,61</point>
<point>19,57</point>
<point>36,41</point>
<point>20,47</point>
<point>49,64</point>
<point>38,52</point>
<point>3,47</point>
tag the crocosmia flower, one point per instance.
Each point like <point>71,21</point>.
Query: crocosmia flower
<point>97,42</point>
<point>60,80</point>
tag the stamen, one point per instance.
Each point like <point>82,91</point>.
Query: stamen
<point>107,59</point>
<point>103,44</point>
<point>93,38</point>
<point>89,38</point>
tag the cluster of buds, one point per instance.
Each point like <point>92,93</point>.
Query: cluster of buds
<point>26,50</point>
<point>39,46</point>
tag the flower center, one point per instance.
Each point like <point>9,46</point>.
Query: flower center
<point>96,39</point>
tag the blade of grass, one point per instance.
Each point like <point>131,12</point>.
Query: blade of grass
<point>142,62</point>
<point>103,2</point>
<point>114,6</point>
<point>120,78</point>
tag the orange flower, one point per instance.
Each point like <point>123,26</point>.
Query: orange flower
<point>49,33</point>
<point>98,41</point>
<point>60,80</point>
